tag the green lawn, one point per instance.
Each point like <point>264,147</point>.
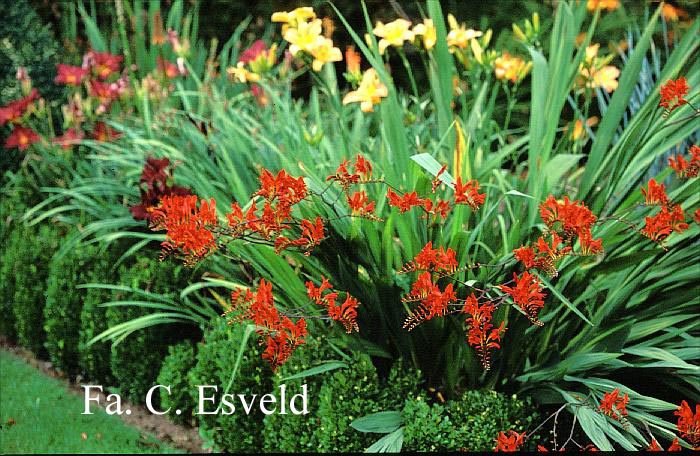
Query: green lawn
<point>39,415</point>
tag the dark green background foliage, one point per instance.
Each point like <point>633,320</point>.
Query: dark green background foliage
<point>137,359</point>
<point>27,41</point>
<point>174,373</point>
<point>94,359</point>
<point>29,256</point>
<point>470,423</point>
<point>216,358</point>
<point>64,304</point>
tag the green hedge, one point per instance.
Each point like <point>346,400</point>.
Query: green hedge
<point>216,357</point>
<point>64,304</point>
<point>94,360</point>
<point>137,359</point>
<point>10,256</point>
<point>348,394</point>
<point>176,367</point>
<point>295,433</point>
<point>470,423</point>
<point>29,254</point>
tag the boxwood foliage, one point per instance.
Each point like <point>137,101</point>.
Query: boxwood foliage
<point>136,360</point>
<point>174,373</point>
<point>94,359</point>
<point>13,203</point>
<point>351,393</point>
<point>64,302</point>
<point>9,257</point>
<point>336,398</point>
<point>29,255</point>
<point>295,433</point>
<point>470,423</point>
<point>216,358</point>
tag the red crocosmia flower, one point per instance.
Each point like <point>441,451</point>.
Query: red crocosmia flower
<point>286,189</point>
<point>345,313</point>
<point>589,447</point>
<point>21,137</point>
<point>14,110</point>
<point>468,193</point>
<point>433,301</point>
<point>654,446</point>
<point>689,423</point>
<point>105,133</point>
<point>675,446</point>
<point>363,167</point>
<point>105,64</point>
<point>574,217</point>
<point>404,202</point>
<point>439,208</point>
<point>542,449</point>
<point>672,94</point>
<point>526,255</point>
<point>696,216</point>
<point>188,225</point>
<point>682,167</point>
<point>282,336</point>
<point>527,294</point>
<point>482,335</point>
<point>612,404</point>
<point>70,75</point>
<point>312,233</point>
<point>69,138</point>
<point>660,226</point>
<point>240,222</point>
<point>510,442</point>
<point>362,172</point>
<point>252,53</point>
<point>590,246</point>
<point>360,204</point>
<point>655,194</point>
<point>426,257</point>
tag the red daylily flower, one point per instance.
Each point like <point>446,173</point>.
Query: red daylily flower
<point>14,110</point>
<point>21,137</point>
<point>70,75</point>
<point>69,138</point>
<point>104,64</point>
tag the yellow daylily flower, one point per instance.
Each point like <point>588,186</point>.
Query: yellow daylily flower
<point>295,17</point>
<point>428,32</point>
<point>393,33</point>
<point>242,74</point>
<point>578,129</point>
<point>459,35</point>
<point>511,68</point>
<point>606,78</point>
<point>672,13</point>
<point>323,52</point>
<point>609,5</point>
<point>304,37</point>
<point>591,53</point>
<point>369,93</point>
